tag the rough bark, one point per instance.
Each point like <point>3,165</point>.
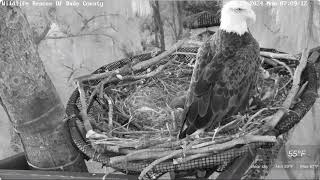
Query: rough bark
<point>177,19</point>
<point>180,18</point>
<point>30,99</point>
<point>158,23</point>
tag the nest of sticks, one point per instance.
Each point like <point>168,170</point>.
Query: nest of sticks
<point>127,111</point>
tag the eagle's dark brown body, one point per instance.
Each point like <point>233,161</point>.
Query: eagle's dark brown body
<point>226,71</point>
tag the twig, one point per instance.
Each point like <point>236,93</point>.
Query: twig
<point>106,148</point>
<point>254,116</point>
<point>119,127</point>
<point>136,67</point>
<point>204,144</point>
<point>301,89</point>
<point>217,140</point>
<point>84,108</point>
<point>79,35</point>
<point>228,125</point>
<point>186,53</point>
<point>99,87</point>
<point>154,163</point>
<point>174,121</point>
<point>170,144</point>
<point>209,149</point>
<point>128,78</point>
<point>229,144</point>
<point>292,93</point>
<point>273,61</point>
<point>284,65</point>
<point>268,61</point>
<point>135,132</point>
<point>153,154</point>
<point>278,55</point>
<point>110,111</point>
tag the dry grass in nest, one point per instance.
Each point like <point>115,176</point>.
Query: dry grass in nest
<point>147,103</point>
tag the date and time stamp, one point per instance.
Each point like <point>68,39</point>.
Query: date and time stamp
<point>284,3</point>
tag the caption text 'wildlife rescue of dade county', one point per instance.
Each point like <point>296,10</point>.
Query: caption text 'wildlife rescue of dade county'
<point>53,3</point>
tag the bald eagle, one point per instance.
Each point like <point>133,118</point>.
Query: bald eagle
<point>226,70</point>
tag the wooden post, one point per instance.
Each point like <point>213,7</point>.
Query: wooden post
<point>30,99</point>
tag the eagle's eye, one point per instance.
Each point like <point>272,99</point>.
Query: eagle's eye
<point>239,9</point>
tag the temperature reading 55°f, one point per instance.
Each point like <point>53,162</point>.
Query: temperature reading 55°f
<point>296,153</point>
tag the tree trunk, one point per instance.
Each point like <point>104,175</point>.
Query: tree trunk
<point>174,25</point>
<point>180,19</point>
<point>30,99</point>
<point>158,23</point>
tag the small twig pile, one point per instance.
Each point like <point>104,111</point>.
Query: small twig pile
<point>137,122</point>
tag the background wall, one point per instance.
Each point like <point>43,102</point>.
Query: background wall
<point>285,27</point>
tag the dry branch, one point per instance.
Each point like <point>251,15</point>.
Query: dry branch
<point>206,150</point>
<point>278,55</point>
<point>292,93</point>
<point>268,61</point>
<point>284,65</point>
<point>110,111</point>
<point>84,114</point>
<point>161,56</point>
<point>192,149</point>
<point>229,144</point>
<point>138,66</point>
<point>254,116</point>
<point>171,155</point>
<point>79,35</point>
<point>158,161</point>
<point>144,155</point>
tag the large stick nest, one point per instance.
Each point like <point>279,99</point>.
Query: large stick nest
<point>132,115</point>
<point>143,112</point>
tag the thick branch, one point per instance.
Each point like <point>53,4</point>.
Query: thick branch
<point>205,150</point>
<point>79,35</point>
<point>277,55</point>
<point>293,91</point>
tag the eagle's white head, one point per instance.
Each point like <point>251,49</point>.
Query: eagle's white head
<point>234,16</point>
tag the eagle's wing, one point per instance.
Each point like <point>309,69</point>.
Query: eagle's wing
<point>221,86</point>
<point>204,56</point>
